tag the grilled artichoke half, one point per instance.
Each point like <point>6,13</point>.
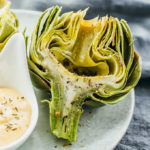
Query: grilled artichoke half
<point>8,23</point>
<point>81,61</point>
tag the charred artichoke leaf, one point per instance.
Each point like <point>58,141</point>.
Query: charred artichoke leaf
<point>82,59</point>
<point>8,23</point>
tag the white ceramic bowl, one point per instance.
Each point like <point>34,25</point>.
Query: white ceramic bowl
<point>14,74</point>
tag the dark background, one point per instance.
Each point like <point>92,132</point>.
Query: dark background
<point>137,14</point>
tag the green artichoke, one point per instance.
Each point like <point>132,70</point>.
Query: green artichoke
<point>8,23</point>
<point>81,61</point>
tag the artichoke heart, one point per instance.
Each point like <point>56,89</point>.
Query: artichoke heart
<point>80,61</point>
<point>8,23</point>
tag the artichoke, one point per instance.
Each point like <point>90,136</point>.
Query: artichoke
<point>81,61</point>
<point>8,23</point>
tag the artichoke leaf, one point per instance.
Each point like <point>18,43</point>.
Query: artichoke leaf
<point>8,23</point>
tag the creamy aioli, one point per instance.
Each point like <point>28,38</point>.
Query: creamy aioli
<point>15,115</point>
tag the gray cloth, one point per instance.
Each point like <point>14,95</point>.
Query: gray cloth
<point>137,13</point>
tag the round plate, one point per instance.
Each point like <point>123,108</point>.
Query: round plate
<point>99,128</point>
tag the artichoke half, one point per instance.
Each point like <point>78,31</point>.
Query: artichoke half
<point>81,61</point>
<point>8,23</point>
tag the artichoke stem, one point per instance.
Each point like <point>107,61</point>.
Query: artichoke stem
<point>64,125</point>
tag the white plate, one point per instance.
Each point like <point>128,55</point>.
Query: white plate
<point>99,128</point>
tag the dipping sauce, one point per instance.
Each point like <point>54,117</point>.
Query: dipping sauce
<point>15,115</point>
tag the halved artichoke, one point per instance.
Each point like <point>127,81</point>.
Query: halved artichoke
<point>8,23</point>
<point>81,62</point>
